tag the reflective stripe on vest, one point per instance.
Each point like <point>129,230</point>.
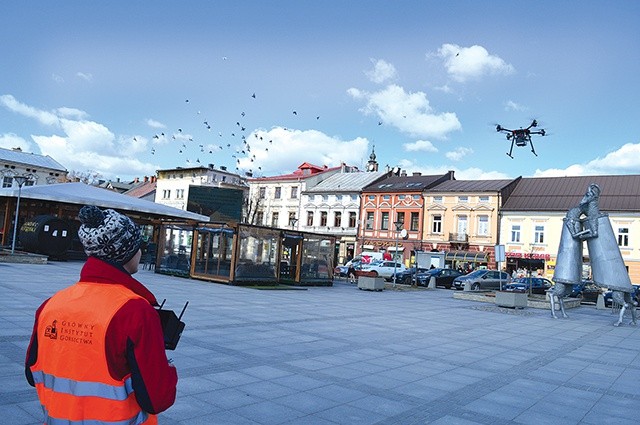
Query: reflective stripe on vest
<point>83,389</point>
<point>137,420</point>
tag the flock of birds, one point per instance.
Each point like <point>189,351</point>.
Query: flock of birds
<point>234,145</point>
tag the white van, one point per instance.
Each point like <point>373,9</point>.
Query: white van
<point>365,257</point>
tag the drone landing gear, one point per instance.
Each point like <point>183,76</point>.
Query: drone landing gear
<point>533,150</point>
<point>510,151</point>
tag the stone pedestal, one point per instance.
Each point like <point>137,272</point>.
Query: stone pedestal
<point>370,283</point>
<point>511,299</point>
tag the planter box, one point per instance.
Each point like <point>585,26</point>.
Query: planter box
<point>370,283</point>
<point>512,299</point>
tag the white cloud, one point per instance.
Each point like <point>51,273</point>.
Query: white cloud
<point>46,118</point>
<point>458,153</point>
<point>155,124</point>
<point>84,144</point>
<point>510,105</point>
<point>10,141</point>
<point>460,174</point>
<point>625,160</point>
<point>85,76</point>
<point>282,150</point>
<point>72,113</point>
<point>57,78</point>
<point>382,71</point>
<point>420,145</point>
<point>472,63</point>
<point>411,113</point>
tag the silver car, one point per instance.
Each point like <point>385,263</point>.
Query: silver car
<point>482,279</point>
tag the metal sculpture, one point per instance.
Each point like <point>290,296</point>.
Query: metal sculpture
<point>585,222</point>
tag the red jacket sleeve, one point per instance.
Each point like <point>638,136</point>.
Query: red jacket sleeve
<point>135,344</point>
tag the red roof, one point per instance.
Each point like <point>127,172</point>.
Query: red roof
<point>304,170</point>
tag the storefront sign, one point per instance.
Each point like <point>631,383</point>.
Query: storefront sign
<point>531,255</point>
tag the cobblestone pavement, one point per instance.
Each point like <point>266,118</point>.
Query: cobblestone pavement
<point>337,355</point>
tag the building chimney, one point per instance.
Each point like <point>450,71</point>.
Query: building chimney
<point>136,180</point>
<point>146,179</point>
<point>223,167</point>
<point>403,173</point>
<point>416,174</point>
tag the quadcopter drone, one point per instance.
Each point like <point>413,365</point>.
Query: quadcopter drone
<point>521,137</point>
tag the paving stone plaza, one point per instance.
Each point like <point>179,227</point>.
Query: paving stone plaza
<point>339,355</point>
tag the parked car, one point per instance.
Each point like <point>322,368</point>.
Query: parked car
<point>444,277</point>
<point>383,268</point>
<point>406,276</point>
<point>482,279</point>
<point>587,291</point>
<point>538,285</point>
<point>608,300</point>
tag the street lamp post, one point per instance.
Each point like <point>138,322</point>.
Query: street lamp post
<point>398,225</point>
<point>20,180</point>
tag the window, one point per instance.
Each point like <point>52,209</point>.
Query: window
<point>462,227</point>
<point>384,222</point>
<point>179,193</point>
<point>294,192</point>
<point>325,198</point>
<point>338,197</point>
<point>262,192</point>
<point>337,219</point>
<point>401,197</point>
<point>274,219</point>
<point>484,199</point>
<point>278,192</point>
<point>292,218</point>
<point>7,181</point>
<point>416,197</point>
<point>623,236</point>
<point>372,197</point>
<point>538,234</point>
<point>354,198</point>
<point>463,199</point>
<point>436,224</point>
<point>386,197</point>
<point>437,199</point>
<point>309,218</point>
<point>166,194</point>
<point>323,218</point>
<point>369,223</point>
<point>515,233</point>
<point>415,221</point>
<point>483,225</point>
<point>259,218</point>
<point>29,183</point>
<point>400,217</point>
<point>352,219</point>
<point>312,197</point>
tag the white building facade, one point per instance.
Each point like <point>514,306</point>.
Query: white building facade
<point>172,185</point>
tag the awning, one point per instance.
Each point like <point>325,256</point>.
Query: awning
<point>470,256</point>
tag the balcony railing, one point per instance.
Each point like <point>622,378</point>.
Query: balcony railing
<point>458,237</point>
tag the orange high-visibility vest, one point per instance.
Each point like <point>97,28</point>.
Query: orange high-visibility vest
<point>71,372</point>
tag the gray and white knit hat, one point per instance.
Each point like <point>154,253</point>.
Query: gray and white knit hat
<point>108,235</point>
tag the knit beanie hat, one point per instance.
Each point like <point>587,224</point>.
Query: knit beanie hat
<point>108,235</point>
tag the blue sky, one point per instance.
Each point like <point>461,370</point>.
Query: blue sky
<point>125,88</point>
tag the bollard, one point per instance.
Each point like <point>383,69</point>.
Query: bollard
<point>432,282</point>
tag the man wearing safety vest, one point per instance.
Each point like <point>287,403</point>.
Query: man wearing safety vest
<point>97,350</point>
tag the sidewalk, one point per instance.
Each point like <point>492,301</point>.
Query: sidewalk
<point>337,355</point>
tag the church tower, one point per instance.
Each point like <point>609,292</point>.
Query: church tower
<point>372,164</point>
